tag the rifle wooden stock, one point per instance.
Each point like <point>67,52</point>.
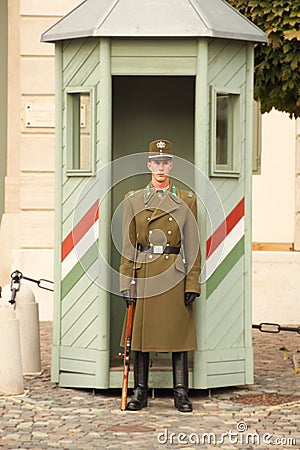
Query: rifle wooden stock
<point>128,336</point>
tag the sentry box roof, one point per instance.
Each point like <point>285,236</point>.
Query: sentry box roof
<point>154,18</point>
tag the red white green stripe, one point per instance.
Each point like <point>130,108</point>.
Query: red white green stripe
<point>225,247</point>
<point>80,240</point>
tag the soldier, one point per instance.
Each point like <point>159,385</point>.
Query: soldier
<point>160,223</point>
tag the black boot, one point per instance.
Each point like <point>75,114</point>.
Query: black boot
<point>141,370</point>
<point>180,382</point>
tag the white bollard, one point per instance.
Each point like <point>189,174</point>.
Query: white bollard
<point>27,311</point>
<point>11,373</point>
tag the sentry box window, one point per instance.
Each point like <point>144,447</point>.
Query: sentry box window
<point>80,104</point>
<point>225,133</point>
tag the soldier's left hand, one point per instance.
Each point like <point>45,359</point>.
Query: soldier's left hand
<point>189,297</point>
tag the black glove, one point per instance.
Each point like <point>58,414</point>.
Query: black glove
<point>190,297</point>
<point>126,297</point>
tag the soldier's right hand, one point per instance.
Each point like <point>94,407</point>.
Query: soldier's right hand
<point>126,297</point>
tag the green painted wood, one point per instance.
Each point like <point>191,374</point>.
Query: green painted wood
<point>92,77</point>
<point>82,63</point>
<point>237,77</point>
<point>81,305</point>
<point>81,332</point>
<point>79,270</point>
<point>153,66</point>
<point>58,213</point>
<point>230,191</point>
<point>154,47</point>
<point>201,162</point>
<point>220,360</point>
<point>76,199</point>
<point>55,357</point>
<point>225,316</point>
<point>84,358</point>
<point>153,56</point>
<point>248,213</point>
<point>249,357</point>
<point>227,71</point>
<point>237,339</point>
<point>78,353</point>
<point>227,305</point>
<point>232,71</point>
<point>104,155</point>
<point>232,335</point>
<point>72,186</point>
<point>225,60</point>
<point>216,306</point>
<point>71,193</point>
<point>70,365</point>
<point>225,267</point>
<point>215,49</point>
<point>79,380</point>
<point>225,354</point>
<point>70,50</point>
<point>228,333</point>
<point>116,378</point>
<point>83,288</point>
<point>229,379</point>
<point>225,367</point>
<point>88,70</point>
<point>94,342</point>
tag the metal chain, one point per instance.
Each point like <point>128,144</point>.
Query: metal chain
<point>16,277</point>
<point>266,327</point>
<point>40,282</point>
<point>15,286</point>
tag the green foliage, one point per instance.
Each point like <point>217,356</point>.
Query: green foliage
<point>277,65</point>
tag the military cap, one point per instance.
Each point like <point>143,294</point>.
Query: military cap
<point>160,148</point>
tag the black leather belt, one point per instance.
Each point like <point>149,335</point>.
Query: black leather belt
<point>159,249</point>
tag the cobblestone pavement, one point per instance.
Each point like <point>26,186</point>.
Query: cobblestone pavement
<point>261,416</point>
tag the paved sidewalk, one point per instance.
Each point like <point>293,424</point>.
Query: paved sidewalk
<point>265,415</point>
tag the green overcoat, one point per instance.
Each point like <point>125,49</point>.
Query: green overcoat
<point>162,322</point>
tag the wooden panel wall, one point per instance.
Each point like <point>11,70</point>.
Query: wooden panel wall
<point>225,303</point>
<point>79,328</point>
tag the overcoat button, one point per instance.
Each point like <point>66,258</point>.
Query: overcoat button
<point>169,232</point>
<point>167,257</point>
<point>148,218</point>
<point>150,256</point>
<point>150,232</point>
<point>170,219</point>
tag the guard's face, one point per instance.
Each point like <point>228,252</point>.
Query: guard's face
<point>160,169</point>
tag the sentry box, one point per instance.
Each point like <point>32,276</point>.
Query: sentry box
<point>129,72</point>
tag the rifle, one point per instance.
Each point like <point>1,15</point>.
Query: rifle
<point>128,335</point>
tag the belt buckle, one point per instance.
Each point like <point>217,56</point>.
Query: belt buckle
<point>158,249</point>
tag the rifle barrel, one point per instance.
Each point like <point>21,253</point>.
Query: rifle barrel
<point>128,335</point>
